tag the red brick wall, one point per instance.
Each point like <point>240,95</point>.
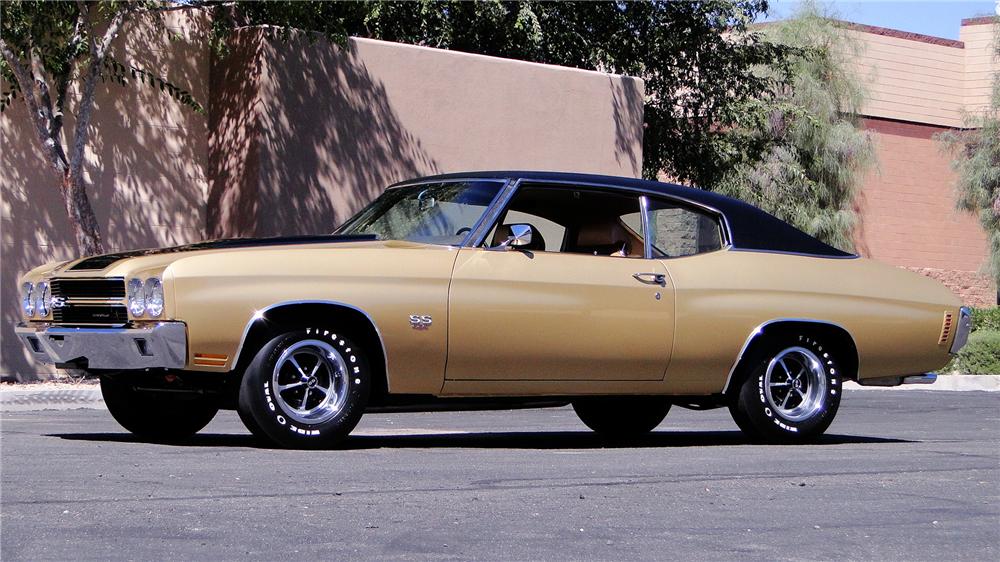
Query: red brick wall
<point>908,216</point>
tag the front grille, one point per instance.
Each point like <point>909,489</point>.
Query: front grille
<point>88,301</point>
<point>85,314</point>
<point>88,288</point>
<point>946,327</point>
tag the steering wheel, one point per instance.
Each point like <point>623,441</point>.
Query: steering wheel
<point>463,230</point>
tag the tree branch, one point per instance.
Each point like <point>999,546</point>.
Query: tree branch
<point>97,53</point>
<point>30,95</point>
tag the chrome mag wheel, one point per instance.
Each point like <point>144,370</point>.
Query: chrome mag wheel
<point>795,384</point>
<point>310,381</point>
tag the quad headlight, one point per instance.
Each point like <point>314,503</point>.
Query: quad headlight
<point>145,298</point>
<point>28,300</point>
<point>136,297</point>
<point>154,297</point>
<point>43,299</point>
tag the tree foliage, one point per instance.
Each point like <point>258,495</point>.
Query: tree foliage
<point>977,161</point>
<point>815,154</point>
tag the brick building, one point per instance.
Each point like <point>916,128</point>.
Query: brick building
<point>918,87</point>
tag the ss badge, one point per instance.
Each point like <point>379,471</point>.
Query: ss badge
<point>420,321</point>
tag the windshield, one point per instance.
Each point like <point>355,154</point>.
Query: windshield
<point>433,213</point>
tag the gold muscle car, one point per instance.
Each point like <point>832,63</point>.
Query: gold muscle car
<point>619,296</point>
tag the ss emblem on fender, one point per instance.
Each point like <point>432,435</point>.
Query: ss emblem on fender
<point>420,321</point>
<point>58,302</point>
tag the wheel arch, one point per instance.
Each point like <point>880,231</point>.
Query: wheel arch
<point>769,331</point>
<point>280,317</point>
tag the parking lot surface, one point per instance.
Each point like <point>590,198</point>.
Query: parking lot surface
<point>900,476</point>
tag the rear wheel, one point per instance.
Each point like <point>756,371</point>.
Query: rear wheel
<point>158,416</point>
<point>626,416</point>
<point>791,394</point>
<point>305,389</point>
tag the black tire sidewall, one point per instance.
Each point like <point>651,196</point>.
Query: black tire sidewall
<point>621,416</point>
<point>770,424</point>
<point>267,414</point>
<point>161,417</point>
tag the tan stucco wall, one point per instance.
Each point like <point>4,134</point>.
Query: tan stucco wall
<point>920,79</point>
<point>298,136</point>
<point>145,168</point>
<point>330,129</point>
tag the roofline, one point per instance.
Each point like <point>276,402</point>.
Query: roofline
<point>981,20</point>
<point>900,34</point>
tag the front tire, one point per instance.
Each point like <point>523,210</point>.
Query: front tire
<point>621,417</point>
<point>791,395</point>
<point>156,416</point>
<point>305,389</point>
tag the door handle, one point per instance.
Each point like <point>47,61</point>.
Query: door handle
<point>651,278</point>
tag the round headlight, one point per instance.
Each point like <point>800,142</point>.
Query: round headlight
<point>43,299</point>
<point>27,300</point>
<point>136,297</point>
<point>154,297</point>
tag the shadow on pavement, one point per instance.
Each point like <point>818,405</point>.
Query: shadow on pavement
<point>494,440</point>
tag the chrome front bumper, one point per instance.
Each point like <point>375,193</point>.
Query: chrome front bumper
<point>162,345</point>
<point>962,333</point>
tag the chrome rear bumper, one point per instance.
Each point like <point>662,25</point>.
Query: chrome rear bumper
<point>962,333</point>
<point>162,345</point>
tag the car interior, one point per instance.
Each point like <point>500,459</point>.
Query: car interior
<point>575,221</point>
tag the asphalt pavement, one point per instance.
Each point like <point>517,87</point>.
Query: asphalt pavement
<point>909,475</point>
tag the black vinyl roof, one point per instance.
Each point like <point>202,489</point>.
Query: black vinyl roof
<point>750,227</point>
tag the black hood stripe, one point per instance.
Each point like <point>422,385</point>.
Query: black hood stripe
<point>104,260</point>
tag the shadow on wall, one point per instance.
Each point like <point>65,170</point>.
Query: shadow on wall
<point>313,140</point>
<point>627,111</point>
<point>145,174</point>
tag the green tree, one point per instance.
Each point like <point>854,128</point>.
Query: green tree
<point>814,153</point>
<point>977,161</point>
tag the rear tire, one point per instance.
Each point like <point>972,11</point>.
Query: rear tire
<point>791,394</point>
<point>620,417</point>
<point>305,389</point>
<point>156,416</point>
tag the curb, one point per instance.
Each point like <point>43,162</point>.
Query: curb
<point>987,383</point>
<point>29,399</point>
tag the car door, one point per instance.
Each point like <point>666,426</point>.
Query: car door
<point>564,311</point>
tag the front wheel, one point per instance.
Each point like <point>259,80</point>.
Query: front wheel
<point>791,395</point>
<point>158,416</point>
<point>305,388</point>
<point>620,417</point>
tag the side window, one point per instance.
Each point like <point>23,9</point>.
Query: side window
<point>575,220</point>
<point>681,231</point>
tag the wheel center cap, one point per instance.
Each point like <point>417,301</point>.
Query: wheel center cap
<point>312,382</point>
<point>797,384</point>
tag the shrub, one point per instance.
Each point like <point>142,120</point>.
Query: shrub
<point>981,356</point>
<point>987,319</point>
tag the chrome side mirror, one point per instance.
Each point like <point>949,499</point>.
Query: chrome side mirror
<point>520,236</point>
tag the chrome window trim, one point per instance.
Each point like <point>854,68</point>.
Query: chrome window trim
<point>647,244</point>
<point>259,314</point>
<point>760,329</point>
<point>492,215</point>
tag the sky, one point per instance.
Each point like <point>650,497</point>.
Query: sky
<point>940,18</point>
